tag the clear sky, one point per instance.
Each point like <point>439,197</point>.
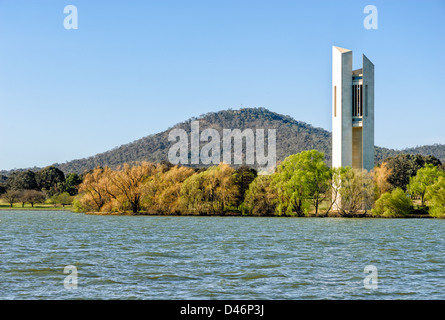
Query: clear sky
<point>133,68</point>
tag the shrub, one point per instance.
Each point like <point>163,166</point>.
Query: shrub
<point>435,196</point>
<point>393,204</point>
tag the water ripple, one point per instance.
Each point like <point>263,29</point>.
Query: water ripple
<point>122,257</point>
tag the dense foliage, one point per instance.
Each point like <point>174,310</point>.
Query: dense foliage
<point>46,185</point>
<point>301,185</point>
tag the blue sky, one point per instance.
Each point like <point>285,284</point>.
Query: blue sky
<point>133,68</point>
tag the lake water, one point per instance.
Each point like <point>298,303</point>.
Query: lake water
<point>160,257</point>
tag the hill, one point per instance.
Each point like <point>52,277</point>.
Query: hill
<point>292,136</point>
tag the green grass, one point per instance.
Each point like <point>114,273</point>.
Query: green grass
<point>37,206</point>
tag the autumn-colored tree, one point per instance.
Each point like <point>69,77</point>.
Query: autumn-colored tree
<point>381,175</point>
<point>126,184</point>
<point>94,189</point>
<point>163,190</point>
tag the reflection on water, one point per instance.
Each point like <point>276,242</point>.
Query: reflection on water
<point>159,257</point>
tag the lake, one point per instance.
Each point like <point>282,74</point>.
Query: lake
<point>162,257</point>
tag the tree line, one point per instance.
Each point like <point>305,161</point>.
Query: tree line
<point>48,185</point>
<point>301,185</point>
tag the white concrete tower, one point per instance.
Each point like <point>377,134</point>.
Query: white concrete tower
<point>352,111</point>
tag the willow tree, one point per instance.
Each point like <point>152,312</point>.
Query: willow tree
<point>356,191</point>
<point>211,191</point>
<point>93,191</point>
<point>126,184</point>
<point>426,176</point>
<point>162,191</point>
<point>260,198</point>
<point>301,180</point>
<point>435,196</point>
<point>193,199</point>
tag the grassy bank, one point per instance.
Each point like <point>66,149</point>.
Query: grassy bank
<point>37,207</point>
<point>311,214</point>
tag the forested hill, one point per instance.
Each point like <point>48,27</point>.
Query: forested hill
<point>292,137</point>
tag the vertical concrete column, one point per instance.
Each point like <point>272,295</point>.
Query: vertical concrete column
<point>368,114</point>
<point>341,107</point>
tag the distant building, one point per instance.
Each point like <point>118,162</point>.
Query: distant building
<point>352,111</point>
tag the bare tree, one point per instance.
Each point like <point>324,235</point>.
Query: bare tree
<point>12,196</point>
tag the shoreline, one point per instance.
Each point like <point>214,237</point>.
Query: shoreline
<point>234,214</point>
<point>228,214</point>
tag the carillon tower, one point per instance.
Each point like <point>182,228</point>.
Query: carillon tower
<point>352,111</point>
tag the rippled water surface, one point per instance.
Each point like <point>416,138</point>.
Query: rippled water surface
<point>155,257</point>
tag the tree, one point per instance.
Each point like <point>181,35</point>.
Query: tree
<point>301,179</point>
<point>126,184</point>
<point>392,204</point>
<point>220,180</point>
<point>94,189</point>
<point>435,196</point>
<point>54,200</point>
<point>50,179</point>
<point>33,196</point>
<point>319,178</point>
<point>209,192</point>
<point>260,198</point>
<point>424,177</point>
<point>11,196</point>
<point>404,166</point>
<point>22,180</point>
<point>64,199</point>
<point>162,191</point>
<point>356,192</point>
<point>71,184</point>
<point>381,179</point>
<point>193,199</point>
<point>243,178</point>
<point>335,186</point>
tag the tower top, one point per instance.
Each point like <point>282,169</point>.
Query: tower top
<point>342,50</point>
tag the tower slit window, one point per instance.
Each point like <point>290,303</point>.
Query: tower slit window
<point>357,100</point>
